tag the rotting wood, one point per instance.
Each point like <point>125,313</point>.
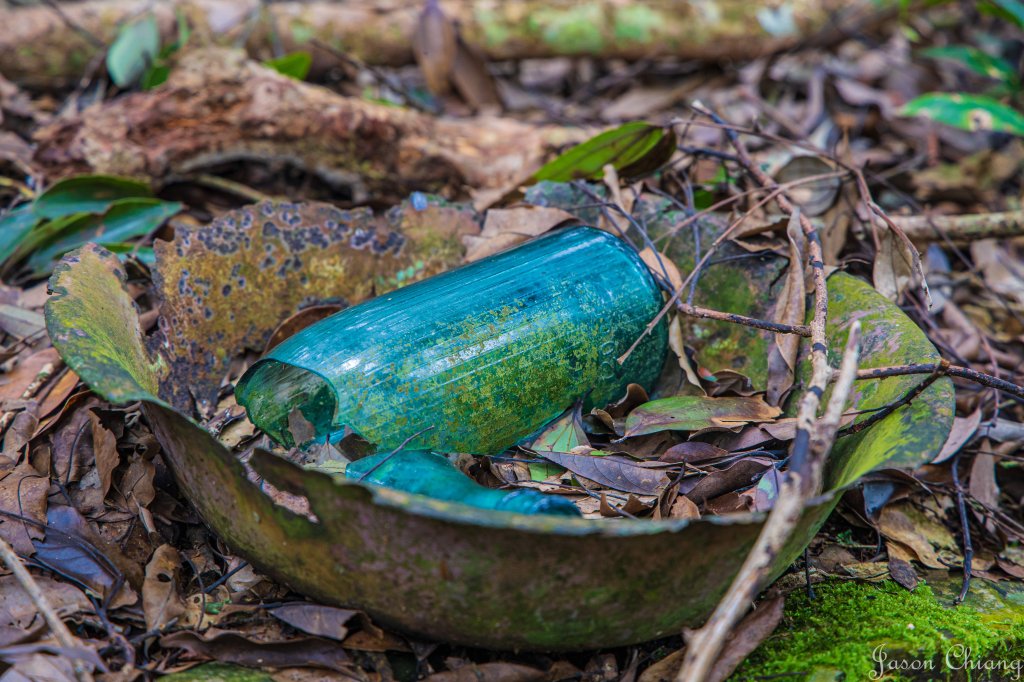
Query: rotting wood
<point>220,107</point>
<point>40,47</point>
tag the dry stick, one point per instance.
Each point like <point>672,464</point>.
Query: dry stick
<point>962,227</point>
<point>57,627</point>
<point>950,370</point>
<point>905,399</point>
<point>777,327</point>
<point>705,644</point>
<point>828,427</point>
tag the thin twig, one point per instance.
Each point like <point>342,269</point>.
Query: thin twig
<point>777,327</point>
<point>965,586</point>
<point>53,620</point>
<point>905,399</point>
<point>828,427</point>
<point>968,227</point>
<point>950,370</point>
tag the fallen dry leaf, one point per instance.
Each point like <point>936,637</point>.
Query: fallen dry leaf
<point>790,308</point>
<point>614,471</point>
<point>506,227</point>
<point>695,413</point>
<point>161,602</point>
<point>316,619</point>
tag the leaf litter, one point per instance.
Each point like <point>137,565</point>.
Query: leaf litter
<point>87,495</point>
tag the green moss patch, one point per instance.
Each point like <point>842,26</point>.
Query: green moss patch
<point>881,631</point>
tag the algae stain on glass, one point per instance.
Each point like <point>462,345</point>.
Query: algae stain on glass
<point>481,356</point>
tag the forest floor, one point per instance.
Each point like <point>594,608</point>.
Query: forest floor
<point>918,573</point>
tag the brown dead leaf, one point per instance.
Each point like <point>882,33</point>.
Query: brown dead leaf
<point>375,640</point>
<point>739,474</point>
<point>664,670</point>
<point>19,433</point>
<point>684,508</point>
<point>13,385</point>
<point>832,558</point>
<point>897,264</point>
<point>232,647</point>
<point>614,471</point>
<point>678,346</point>
<point>299,321</point>
<point>506,227</point>
<point>895,524</point>
<point>963,430</point>
<point>57,394</point>
<point>661,266</point>
<point>316,619</point>
<point>161,602</point>
<point>104,446</point>
<point>693,452</point>
<point>17,608</point>
<point>755,627</point>
<point>983,486</point>
<point>790,308</point>
<point>473,80</point>
<point>902,572</point>
<point>697,413</point>
<point>489,672</point>
<point>23,493</point>
<point>998,269</point>
<point>434,45</point>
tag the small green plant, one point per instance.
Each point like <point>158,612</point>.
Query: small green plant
<point>136,56</point>
<point>294,64</point>
<point>997,109</point>
<point>105,209</point>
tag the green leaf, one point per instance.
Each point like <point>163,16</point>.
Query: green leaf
<point>976,60</point>
<point>294,64</point>
<point>967,112</point>
<point>133,51</point>
<point>127,219</point>
<point>143,254</point>
<point>561,435</point>
<point>87,194</point>
<point>155,75</point>
<point>634,149</point>
<point>41,234</point>
<point>1013,9</point>
<point>14,226</point>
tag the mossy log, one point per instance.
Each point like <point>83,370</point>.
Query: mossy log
<point>219,107</point>
<point>40,47</point>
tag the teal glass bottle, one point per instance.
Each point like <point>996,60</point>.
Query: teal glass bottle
<point>474,359</point>
<point>427,473</point>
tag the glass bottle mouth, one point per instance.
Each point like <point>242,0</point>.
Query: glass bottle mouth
<point>272,392</point>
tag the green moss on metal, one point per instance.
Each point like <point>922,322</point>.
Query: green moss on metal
<point>863,629</point>
<point>99,335</point>
<point>886,339</point>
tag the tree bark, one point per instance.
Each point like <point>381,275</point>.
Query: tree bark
<point>219,107</point>
<point>40,47</point>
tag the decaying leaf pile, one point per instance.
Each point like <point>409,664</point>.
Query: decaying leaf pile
<point>742,184</point>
